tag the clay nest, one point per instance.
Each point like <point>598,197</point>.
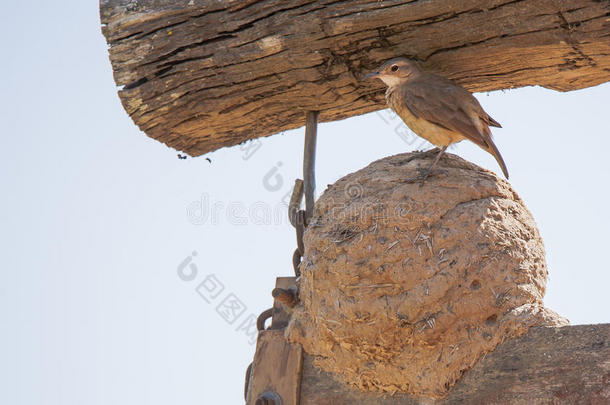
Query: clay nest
<point>404,287</point>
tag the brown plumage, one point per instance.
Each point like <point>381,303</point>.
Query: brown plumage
<point>436,108</point>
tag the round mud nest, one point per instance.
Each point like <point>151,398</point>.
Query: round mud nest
<point>404,287</point>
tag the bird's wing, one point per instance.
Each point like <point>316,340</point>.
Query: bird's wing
<point>443,103</point>
<point>492,123</point>
<point>452,107</point>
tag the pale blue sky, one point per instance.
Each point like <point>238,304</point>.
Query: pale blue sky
<point>95,220</point>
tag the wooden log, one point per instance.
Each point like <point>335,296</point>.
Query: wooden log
<point>568,365</point>
<point>276,370</point>
<point>199,75</point>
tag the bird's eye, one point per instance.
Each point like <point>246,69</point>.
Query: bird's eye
<point>394,68</point>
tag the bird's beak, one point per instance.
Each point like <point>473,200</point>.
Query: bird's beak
<point>372,75</point>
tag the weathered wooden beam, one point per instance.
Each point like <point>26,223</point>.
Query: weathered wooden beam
<point>199,75</point>
<point>276,370</point>
<point>568,365</point>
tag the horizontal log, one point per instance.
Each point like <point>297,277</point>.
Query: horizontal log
<point>199,75</point>
<point>568,365</point>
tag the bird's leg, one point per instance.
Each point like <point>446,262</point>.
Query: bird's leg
<point>436,159</point>
<point>427,172</point>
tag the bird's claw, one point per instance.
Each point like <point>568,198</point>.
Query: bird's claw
<point>423,175</point>
<point>421,178</point>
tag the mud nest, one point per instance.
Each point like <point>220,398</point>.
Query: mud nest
<point>404,287</point>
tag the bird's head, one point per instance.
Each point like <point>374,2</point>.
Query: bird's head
<point>396,71</point>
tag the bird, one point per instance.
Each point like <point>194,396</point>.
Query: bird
<point>436,109</point>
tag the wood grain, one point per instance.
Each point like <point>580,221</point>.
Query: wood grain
<point>199,75</point>
<point>276,368</point>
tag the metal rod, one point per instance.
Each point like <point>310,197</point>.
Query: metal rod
<point>309,161</point>
<point>295,202</point>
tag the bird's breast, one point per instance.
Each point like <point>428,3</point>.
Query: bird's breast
<point>433,133</point>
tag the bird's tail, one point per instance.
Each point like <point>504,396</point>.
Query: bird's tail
<point>493,149</point>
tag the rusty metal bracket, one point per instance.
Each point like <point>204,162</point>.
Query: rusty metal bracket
<point>274,377</point>
<point>295,202</point>
<point>262,318</point>
<point>287,296</point>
